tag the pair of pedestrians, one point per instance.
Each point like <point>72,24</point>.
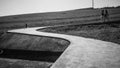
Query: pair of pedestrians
<point>104,15</point>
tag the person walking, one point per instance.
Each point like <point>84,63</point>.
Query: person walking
<point>1,51</point>
<point>104,15</point>
<point>26,25</point>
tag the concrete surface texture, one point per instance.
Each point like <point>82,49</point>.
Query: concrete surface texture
<point>82,52</point>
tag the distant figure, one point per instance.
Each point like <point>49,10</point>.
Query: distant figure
<point>1,51</point>
<point>104,15</point>
<point>26,25</point>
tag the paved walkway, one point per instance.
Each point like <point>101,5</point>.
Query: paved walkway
<point>82,52</point>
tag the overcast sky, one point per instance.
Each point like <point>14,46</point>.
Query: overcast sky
<point>13,7</point>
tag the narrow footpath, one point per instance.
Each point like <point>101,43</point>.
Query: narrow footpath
<point>82,52</point>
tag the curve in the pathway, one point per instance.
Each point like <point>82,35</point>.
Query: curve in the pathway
<point>82,52</point>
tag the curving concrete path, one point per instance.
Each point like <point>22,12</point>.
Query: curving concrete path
<point>82,52</point>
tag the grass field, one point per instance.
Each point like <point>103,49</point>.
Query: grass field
<point>13,63</point>
<point>27,42</point>
<point>78,16</point>
<point>75,22</point>
<point>33,51</point>
<point>109,31</point>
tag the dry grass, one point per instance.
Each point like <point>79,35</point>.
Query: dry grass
<point>103,31</point>
<point>79,16</point>
<point>12,63</point>
<point>27,42</point>
<point>34,51</point>
<point>33,43</point>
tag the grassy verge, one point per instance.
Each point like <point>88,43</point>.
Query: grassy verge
<point>13,63</point>
<point>109,31</point>
<point>32,51</point>
<point>27,42</point>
